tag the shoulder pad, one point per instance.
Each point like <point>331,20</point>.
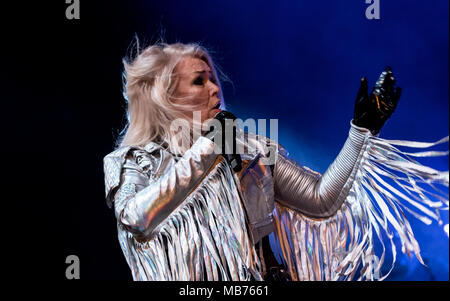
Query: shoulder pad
<point>112,167</point>
<point>113,164</point>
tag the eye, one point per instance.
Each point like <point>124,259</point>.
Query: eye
<point>198,81</point>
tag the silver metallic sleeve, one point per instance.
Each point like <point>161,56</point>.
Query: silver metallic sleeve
<point>144,200</point>
<point>319,196</point>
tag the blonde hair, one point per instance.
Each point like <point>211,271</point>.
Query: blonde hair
<point>149,83</point>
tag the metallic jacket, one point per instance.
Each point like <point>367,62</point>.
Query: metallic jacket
<point>190,218</point>
<point>147,183</point>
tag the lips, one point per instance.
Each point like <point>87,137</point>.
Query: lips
<point>217,105</point>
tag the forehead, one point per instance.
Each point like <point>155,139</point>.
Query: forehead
<point>189,65</point>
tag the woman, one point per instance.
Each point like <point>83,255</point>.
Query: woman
<point>187,210</point>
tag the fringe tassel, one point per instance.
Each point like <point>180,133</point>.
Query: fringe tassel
<point>204,239</point>
<point>342,247</point>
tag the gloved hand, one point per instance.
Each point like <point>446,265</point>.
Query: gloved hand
<point>221,131</point>
<point>372,111</point>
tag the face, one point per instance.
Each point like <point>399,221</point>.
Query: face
<point>196,87</point>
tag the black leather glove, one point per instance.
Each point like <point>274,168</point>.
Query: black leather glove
<point>227,137</point>
<point>372,111</point>
<point>276,274</point>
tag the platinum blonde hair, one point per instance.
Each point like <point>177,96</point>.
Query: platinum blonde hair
<point>149,84</point>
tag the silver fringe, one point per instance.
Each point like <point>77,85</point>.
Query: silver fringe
<point>342,247</point>
<point>204,239</point>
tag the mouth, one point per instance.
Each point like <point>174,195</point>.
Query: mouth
<point>217,105</point>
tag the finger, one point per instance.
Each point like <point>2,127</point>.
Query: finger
<point>382,79</point>
<point>386,84</point>
<point>389,83</point>
<point>363,88</point>
<point>388,72</point>
<point>385,75</point>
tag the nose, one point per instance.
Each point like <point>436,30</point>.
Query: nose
<point>214,89</point>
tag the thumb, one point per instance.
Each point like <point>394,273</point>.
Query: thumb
<point>363,90</point>
<point>362,96</point>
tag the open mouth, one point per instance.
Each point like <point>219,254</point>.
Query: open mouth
<point>217,105</point>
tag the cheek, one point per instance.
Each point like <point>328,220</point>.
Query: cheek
<point>200,97</point>
<point>194,97</point>
<point>205,113</point>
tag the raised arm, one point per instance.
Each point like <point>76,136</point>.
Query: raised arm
<point>314,195</point>
<point>321,196</point>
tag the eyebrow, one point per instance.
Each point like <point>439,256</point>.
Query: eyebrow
<point>203,71</point>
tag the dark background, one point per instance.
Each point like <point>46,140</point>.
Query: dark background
<point>297,61</point>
